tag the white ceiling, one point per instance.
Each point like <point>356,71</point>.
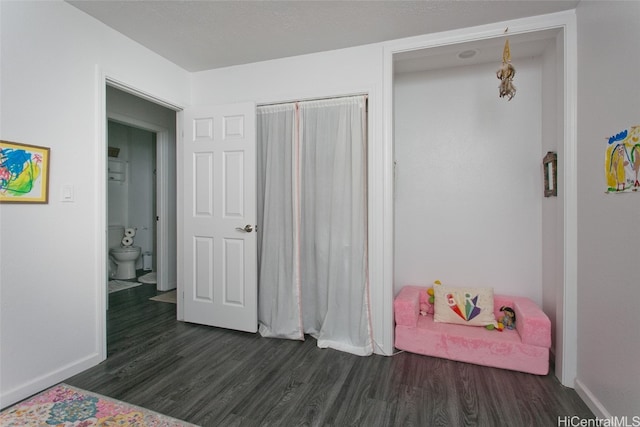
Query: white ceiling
<point>202,35</point>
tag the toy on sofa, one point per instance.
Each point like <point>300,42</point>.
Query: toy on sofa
<point>509,318</point>
<point>426,302</point>
<point>426,305</point>
<point>424,309</point>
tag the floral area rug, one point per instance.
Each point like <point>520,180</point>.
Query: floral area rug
<point>67,406</point>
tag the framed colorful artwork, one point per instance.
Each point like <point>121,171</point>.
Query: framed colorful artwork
<point>622,161</point>
<point>24,173</point>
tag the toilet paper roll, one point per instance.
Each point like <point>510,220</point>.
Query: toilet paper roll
<point>130,232</point>
<point>127,241</point>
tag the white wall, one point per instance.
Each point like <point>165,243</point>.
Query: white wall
<point>608,225</point>
<point>51,274</point>
<point>338,72</point>
<point>468,185</point>
<point>118,190</point>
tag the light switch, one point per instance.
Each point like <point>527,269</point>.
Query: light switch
<point>67,193</point>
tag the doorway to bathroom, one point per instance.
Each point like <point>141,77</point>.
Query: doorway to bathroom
<point>131,196</point>
<point>141,183</point>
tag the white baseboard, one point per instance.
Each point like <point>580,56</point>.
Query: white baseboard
<point>45,381</point>
<point>592,402</point>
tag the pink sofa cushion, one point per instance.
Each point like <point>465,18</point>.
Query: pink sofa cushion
<point>480,346</point>
<point>406,306</point>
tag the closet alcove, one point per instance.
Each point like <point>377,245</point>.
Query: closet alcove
<point>469,205</point>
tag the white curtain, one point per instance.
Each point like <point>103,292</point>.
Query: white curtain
<point>312,206</point>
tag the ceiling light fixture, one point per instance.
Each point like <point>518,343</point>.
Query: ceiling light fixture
<point>467,54</point>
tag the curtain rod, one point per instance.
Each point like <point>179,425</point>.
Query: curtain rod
<point>366,97</point>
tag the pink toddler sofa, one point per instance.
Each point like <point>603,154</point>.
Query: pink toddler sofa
<point>525,348</point>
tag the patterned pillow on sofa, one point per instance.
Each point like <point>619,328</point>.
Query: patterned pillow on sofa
<point>465,306</point>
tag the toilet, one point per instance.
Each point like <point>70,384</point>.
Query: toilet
<point>122,258</point>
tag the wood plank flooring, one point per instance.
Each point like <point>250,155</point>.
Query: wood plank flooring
<point>217,377</point>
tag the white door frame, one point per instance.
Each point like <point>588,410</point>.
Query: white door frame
<point>566,330</point>
<point>103,80</point>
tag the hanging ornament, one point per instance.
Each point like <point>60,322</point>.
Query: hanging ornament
<point>506,73</point>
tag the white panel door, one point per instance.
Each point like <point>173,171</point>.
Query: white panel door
<point>220,258</point>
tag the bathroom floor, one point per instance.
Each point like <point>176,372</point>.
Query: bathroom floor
<point>139,273</point>
<point>117,285</point>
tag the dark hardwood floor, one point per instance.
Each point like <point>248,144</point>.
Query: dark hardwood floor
<point>217,377</point>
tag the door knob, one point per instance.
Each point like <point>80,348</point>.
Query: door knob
<point>247,228</point>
